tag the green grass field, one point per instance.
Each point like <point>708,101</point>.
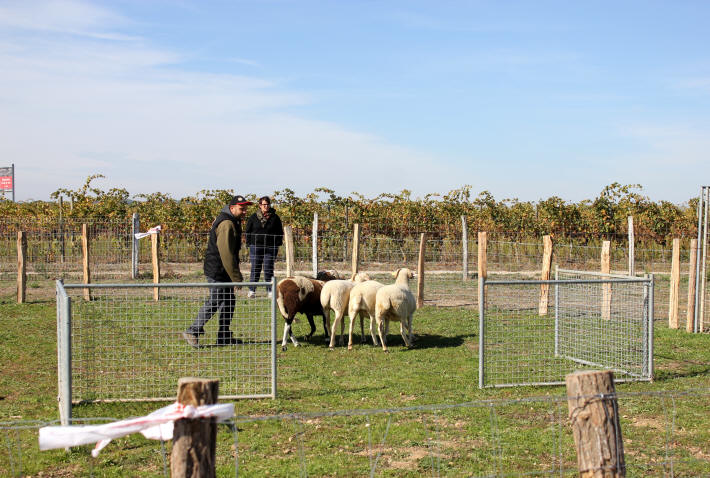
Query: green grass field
<point>419,410</point>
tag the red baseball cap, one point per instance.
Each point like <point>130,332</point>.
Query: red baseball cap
<point>241,200</point>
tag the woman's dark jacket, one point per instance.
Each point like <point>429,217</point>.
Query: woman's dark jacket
<point>268,234</point>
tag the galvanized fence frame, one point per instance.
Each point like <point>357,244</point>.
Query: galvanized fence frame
<point>551,357</point>
<point>74,371</point>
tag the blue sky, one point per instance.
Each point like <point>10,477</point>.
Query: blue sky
<point>524,99</point>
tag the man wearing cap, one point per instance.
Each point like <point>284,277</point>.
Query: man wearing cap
<point>221,265</point>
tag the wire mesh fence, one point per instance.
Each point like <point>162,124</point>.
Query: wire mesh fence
<point>592,322</point>
<point>502,437</point>
<point>55,251</point>
<point>127,342</point>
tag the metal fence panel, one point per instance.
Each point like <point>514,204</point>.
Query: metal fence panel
<point>123,345</point>
<point>521,346</point>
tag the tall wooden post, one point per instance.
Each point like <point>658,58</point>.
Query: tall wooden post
<point>155,260</point>
<point>288,238</point>
<point>86,264</point>
<point>545,275</point>
<point>356,249</point>
<point>632,253</point>
<point>194,450</point>
<point>673,298</point>
<point>464,242</point>
<point>420,271</point>
<point>606,288</point>
<point>482,261</point>
<point>690,317</point>
<point>21,266</point>
<point>594,415</point>
<point>62,245</point>
<point>314,244</point>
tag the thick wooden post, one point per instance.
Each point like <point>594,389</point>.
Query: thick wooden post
<point>288,238</point>
<point>420,271</point>
<point>356,249</point>
<point>674,296</point>
<point>545,275</point>
<point>86,264</point>
<point>155,260</point>
<point>690,317</point>
<point>21,266</point>
<point>632,253</point>
<point>606,288</point>
<point>482,261</point>
<point>464,242</point>
<point>594,415</point>
<point>195,440</point>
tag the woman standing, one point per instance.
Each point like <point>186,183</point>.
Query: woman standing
<point>264,235</point>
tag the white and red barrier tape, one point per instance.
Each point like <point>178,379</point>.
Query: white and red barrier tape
<point>156,426</point>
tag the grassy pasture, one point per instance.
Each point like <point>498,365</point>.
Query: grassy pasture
<point>417,411</point>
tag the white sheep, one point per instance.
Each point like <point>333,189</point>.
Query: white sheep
<point>336,295</point>
<point>395,302</point>
<point>362,301</point>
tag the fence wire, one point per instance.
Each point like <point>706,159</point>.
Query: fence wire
<point>55,251</point>
<point>502,438</point>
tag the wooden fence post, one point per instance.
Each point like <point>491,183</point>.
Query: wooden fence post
<point>288,238</point>
<point>464,242</point>
<point>482,259</point>
<point>632,253</point>
<point>606,288</point>
<point>594,415</point>
<point>62,245</point>
<point>546,266</point>
<point>155,260</point>
<point>673,298</point>
<point>356,248</point>
<point>420,271</point>
<point>195,439</point>
<point>86,265</point>
<point>21,266</point>
<point>314,246</point>
<point>690,317</point>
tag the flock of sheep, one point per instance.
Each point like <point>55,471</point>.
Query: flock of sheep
<point>356,296</point>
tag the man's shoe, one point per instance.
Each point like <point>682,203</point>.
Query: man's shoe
<point>192,339</point>
<point>269,295</point>
<point>251,294</point>
<point>228,340</point>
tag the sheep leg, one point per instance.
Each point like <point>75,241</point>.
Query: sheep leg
<point>352,315</point>
<point>403,331</point>
<point>363,340</point>
<point>333,332</point>
<point>287,333</point>
<point>325,329</point>
<point>326,324</point>
<point>313,327</point>
<point>380,329</point>
<point>372,331</point>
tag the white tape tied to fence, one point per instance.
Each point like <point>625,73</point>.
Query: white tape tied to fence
<point>152,230</point>
<point>155,426</point>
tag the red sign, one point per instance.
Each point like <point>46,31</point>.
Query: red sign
<point>6,183</point>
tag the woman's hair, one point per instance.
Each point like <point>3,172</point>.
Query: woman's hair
<point>265,199</point>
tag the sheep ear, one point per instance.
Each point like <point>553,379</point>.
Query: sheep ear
<point>396,273</point>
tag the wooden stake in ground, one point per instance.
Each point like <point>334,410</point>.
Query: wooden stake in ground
<point>356,249</point>
<point>606,288</point>
<point>690,318</point>
<point>420,272</point>
<point>86,264</point>
<point>632,254</point>
<point>314,244</point>
<point>464,242</point>
<point>674,296</point>
<point>155,259</point>
<point>594,416</point>
<point>482,255</point>
<point>546,266</point>
<point>21,266</point>
<point>288,239</point>
<point>195,440</point>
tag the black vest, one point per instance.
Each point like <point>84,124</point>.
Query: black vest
<point>213,262</point>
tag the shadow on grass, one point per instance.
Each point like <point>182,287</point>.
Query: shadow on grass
<point>674,368</point>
